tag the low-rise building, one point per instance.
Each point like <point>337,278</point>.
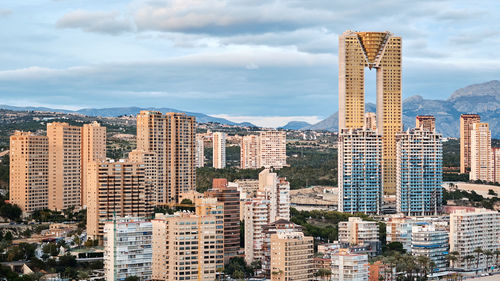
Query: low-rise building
<point>430,242</point>
<point>349,267</point>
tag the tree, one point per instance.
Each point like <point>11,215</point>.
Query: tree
<point>395,246</point>
<point>11,212</point>
<point>323,273</point>
<point>451,258</point>
<point>51,249</point>
<point>488,255</point>
<point>132,278</point>
<point>497,254</point>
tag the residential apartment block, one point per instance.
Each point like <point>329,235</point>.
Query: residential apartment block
<point>172,137</point>
<point>349,266</point>
<point>249,152</point>
<point>291,256</point>
<point>419,172</point>
<point>127,249</point>
<point>272,149</point>
<point>93,149</point>
<point>65,165</point>
<point>121,191</point>
<point>481,162</point>
<point>466,121</point>
<point>29,171</point>
<point>472,229</point>
<point>219,150</point>
<point>426,122</point>
<point>429,241</point>
<point>360,171</point>
<point>357,231</point>
<point>188,246</point>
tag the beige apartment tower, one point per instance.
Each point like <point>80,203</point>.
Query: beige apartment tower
<point>426,122</point>
<point>187,246</point>
<point>272,149</point>
<point>480,153</point>
<point>292,256</point>
<point>172,137</point>
<point>219,150</point>
<point>29,157</point>
<point>93,149</point>
<point>249,152</point>
<point>65,143</point>
<point>120,191</point>
<point>381,51</point>
<point>466,121</point>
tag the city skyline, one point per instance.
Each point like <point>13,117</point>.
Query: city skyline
<point>88,54</point>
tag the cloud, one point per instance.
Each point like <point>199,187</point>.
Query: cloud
<point>101,22</point>
<point>5,13</point>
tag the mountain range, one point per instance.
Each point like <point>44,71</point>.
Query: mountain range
<point>483,99</point>
<point>121,111</point>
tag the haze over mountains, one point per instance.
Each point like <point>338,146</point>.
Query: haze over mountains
<point>483,98</point>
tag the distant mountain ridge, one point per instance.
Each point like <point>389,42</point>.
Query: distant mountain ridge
<point>295,125</point>
<point>483,98</point>
<point>121,111</point>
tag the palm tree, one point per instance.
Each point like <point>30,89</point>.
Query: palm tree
<point>451,258</point>
<point>467,260</point>
<point>424,262</point>
<point>488,255</point>
<point>496,253</point>
<point>478,251</point>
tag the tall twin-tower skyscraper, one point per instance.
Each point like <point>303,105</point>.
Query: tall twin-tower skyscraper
<point>380,51</point>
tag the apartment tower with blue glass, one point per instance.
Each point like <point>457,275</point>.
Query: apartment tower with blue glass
<point>419,172</point>
<point>360,171</point>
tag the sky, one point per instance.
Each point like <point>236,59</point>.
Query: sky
<point>262,61</point>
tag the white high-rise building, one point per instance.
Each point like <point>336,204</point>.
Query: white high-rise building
<point>219,150</point>
<point>360,171</point>
<point>272,149</point>
<point>256,216</point>
<point>480,153</point>
<point>249,152</point>
<point>472,229</point>
<point>127,249</point>
<point>427,240</point>
<point>357,231</point>
<point>348,266</point>
<point>200,151</point>
<point>419,172</point>
<point>277,191</point>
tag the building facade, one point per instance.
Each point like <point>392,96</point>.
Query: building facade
<point>357,231</point>
<point>291,256</point>
<point>29,171</point>
<point>371,121</point>
<point>360,171</point>
<point>481,162</point>
<point>398,229</point>
<point>426,122</point>
<point>187,246</point>
<point>65,169</point>
<point>419,172</point>
<point>272,149</point>
<point>466,121</point>
<point>249,152</point>
<point>93,149</point>
<point>495,151</point>
<point>127,249</point>
<point>256,216</point>
<point>431,242</point>
<point>219,150</point>
<point>349,266</point>
<point>277,191</point>
<point>200,151</point>
<point>380,51</point>
<point>121,191</point>
<point>172,137</point>
<point>230,198</point>
<point>472,229</point>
